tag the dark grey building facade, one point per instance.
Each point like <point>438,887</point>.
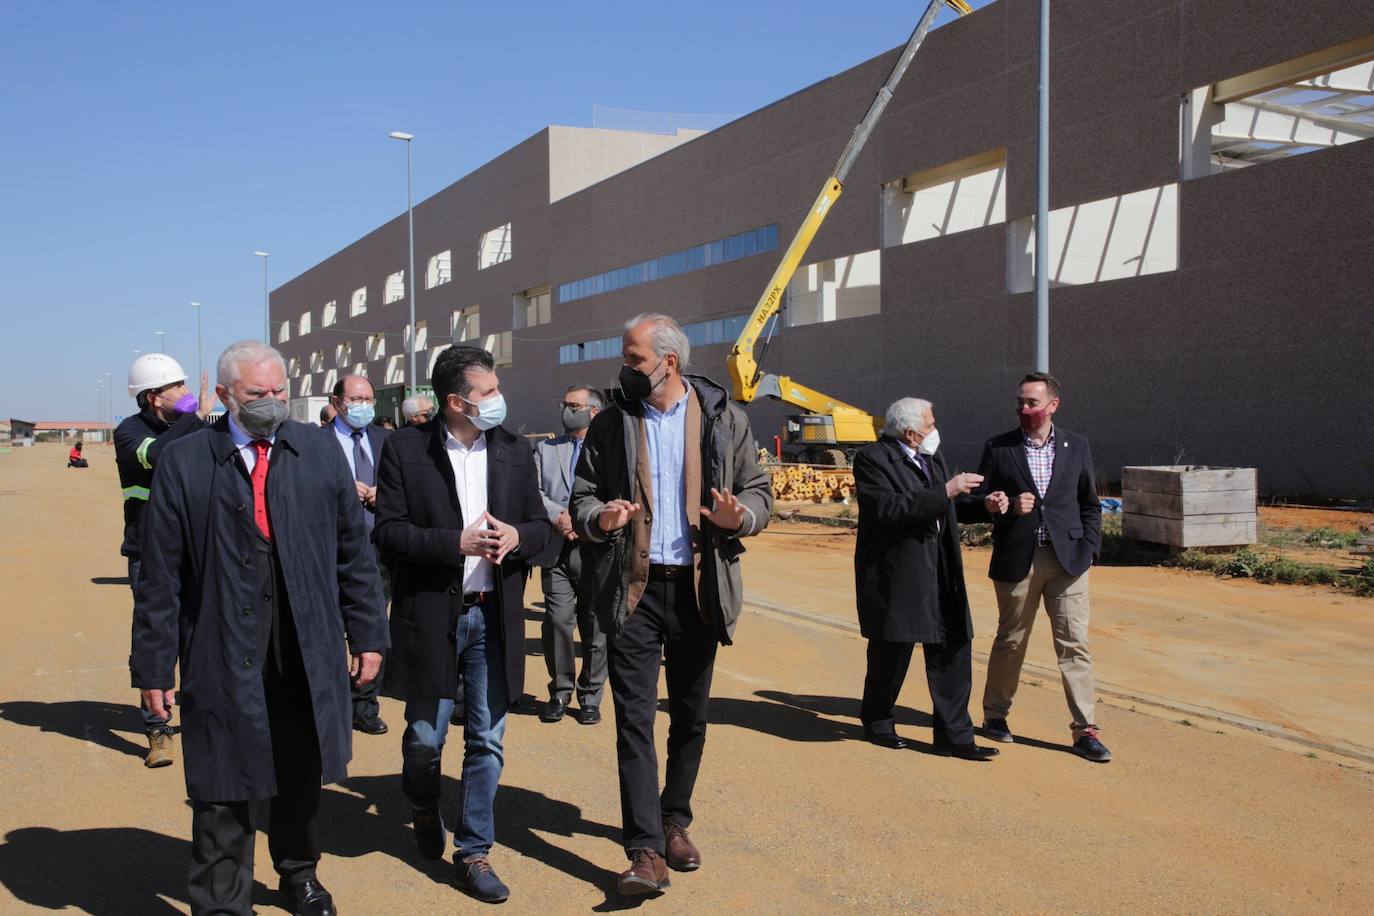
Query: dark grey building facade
<point>1211,237</point>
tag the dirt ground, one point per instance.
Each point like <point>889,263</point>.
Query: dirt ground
<point>794,814</point>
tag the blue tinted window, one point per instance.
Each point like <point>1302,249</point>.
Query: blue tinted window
<point>741,245</point>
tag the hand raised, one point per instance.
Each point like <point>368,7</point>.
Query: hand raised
<point>1024,504</point>
<point>962,483</point>
<point>997,503</point>
<point>728,513</point>
<point>616,514</point>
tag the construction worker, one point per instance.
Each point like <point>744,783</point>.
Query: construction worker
<point>167,411</point>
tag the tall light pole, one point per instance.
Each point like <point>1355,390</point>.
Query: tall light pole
<point>200,361</point>
<point>1042,201</point>
<point>109,401</point>
<point>266,308</point>
<point>99,402</point>
<point>410,275</point>
<point>161,341</point>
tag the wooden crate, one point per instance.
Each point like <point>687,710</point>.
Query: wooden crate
<point>1190,505</point>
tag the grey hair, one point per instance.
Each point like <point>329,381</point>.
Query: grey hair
<point>594,398</point>
<point>665,337</point>
<point>410,406</point>
<point>908,413</point>
<point>244,352</point>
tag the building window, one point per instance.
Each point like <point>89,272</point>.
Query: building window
<point>317,361</point>
<point>283,332</point>
<point>421,337</point>
<point>360,369</point>
<point>343,354</point>
<point>303,328</point>
<point>395,289</point>
<point>1125,236</point>
<point>433,358</point>
<point>329,314</point>
<point>307,386</point>
<point>376,347</point>
<point>532,308</point>
<point>699,334</point>
<point>847,287</point>
<point>1314,102</point>
<point>499,346</point>
<point>440,270</point>
<point>293,367</point>
<point>494,247</point>
<point>955,197</point>
<point>395,370</point>
<point>357,305</point>
<point>742,245</point>
<point>465,325</point>
<point>331,378</point>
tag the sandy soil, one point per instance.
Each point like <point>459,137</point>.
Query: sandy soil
<point>793,813</point>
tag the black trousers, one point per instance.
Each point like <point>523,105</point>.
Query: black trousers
<point>665,628</point>
<point>949,675</point>
<point>223,833</point>
<point>365,698</point>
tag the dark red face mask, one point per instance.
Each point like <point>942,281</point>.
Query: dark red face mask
<point>1031,417</point>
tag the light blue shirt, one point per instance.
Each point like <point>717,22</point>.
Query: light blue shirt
<point>244,443</point>
<point>344,433</point>
<point>670,542</point>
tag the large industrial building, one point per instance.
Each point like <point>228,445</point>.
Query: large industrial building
<point>1211,228</point>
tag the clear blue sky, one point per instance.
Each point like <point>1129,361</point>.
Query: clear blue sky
<point>149,147</point>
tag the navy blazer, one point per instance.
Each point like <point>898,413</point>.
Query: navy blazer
<point>1070,508</point>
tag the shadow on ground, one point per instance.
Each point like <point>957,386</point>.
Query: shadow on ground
<point>108,871</point>
<point>84,720</point>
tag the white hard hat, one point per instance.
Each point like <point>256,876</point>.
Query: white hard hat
<point>153,370</point>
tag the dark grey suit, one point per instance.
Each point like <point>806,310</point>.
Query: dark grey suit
<point>565,602</point>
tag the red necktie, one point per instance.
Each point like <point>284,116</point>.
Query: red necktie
<point>260,447</point>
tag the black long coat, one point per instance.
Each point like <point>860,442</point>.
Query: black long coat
<point>419,528</point>
<point>197,600</point>
<point>909,577</point>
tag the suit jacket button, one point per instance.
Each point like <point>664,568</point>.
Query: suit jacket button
<point>247,663</point>
<point>248,612</point>
<point>453,589</point>
<point>239,507</point>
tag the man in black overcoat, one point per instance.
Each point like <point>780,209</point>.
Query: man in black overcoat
<point>909,579</point>
<point>262,585</point>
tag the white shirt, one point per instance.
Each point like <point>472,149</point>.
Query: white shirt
<point>470,477</point>
<point>665,432</point>
<point>244,443</point>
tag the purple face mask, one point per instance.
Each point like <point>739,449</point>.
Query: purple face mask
<point>187,404</point>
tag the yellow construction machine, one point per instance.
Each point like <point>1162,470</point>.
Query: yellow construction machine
<point>829,429</point>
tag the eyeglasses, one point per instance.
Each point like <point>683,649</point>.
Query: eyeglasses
<point>359,400</point>
<point>570,406</point>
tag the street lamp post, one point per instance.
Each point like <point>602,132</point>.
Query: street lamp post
<point>200,360</point>
<point>1042,200</point>
<point>99,401</point>
<point>410,276</point>
<point>266,308</point>
<point>161,341</point>
<point>109,401</point>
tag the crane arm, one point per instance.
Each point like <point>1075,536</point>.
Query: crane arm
<point>745,375</point>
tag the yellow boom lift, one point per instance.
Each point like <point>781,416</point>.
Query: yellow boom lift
<point>829,426</point>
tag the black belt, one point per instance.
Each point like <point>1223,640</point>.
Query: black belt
<point>660,571</point>
<point>472,598</point>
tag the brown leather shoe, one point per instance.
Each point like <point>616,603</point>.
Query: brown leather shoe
<point>681,854</point>
<point>647,874</point>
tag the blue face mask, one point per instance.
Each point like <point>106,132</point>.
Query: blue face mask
<point>359,415</point>
<point>491,413</point>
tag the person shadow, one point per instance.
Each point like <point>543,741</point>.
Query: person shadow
<point>364,814</point>
<point>110,580</point>
<point>105,871</point>
<point>84,720</point>
<point>806,717</point>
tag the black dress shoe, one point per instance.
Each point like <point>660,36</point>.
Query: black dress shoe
<point>889,740</point>
<point>371,724</point>
<point>997,730</point>
<point>554,710</point>
<point>968,751</point>
<point>588,715</point>
<point>430,834</point>
<point>308,897</point>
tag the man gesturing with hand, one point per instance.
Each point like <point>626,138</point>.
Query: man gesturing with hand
<point>666,487</point>
<point>459,515</point>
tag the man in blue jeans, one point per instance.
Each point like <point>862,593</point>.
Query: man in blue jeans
<point>458,515</point>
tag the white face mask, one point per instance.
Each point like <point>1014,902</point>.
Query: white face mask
<point>930,443</point>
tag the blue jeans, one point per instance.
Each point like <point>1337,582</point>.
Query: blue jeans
<point>151,723</point>
<point>482,666</point>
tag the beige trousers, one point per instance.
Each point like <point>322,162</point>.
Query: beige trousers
<point>1066,602</point>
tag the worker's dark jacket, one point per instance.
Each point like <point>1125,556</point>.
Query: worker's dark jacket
<point>908,574</point>
<point>198,604</point>
<point>729,461</point>
<point>139,442</point>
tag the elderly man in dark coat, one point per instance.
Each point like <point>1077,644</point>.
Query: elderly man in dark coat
<point>262,585</point>
<point>909,579</point>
